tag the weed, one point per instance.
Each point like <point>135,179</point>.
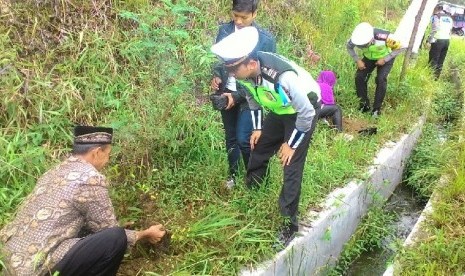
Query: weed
<point>369,235</point>
<point>440,248</point>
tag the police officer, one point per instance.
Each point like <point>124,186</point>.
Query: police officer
<point>379,50</point>
<point>439,38</point>
<point>292,97</point>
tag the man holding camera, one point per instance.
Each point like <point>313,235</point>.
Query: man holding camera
<point>230,97</point>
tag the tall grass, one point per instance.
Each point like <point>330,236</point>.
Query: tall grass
<point>372,231</point>
<point>425,165</point>
<point>440,248</point>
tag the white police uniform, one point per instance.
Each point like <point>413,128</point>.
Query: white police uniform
<point>439,38</point>
<point>292,98</point>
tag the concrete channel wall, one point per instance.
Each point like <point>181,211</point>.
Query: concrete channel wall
<point>321,243</point>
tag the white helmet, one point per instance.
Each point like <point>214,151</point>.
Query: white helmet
<point>362,34</point>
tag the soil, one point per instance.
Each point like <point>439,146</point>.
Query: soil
<point>354,125</point>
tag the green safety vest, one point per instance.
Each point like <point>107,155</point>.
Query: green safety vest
<point>275,100</point>
<point>375,52</point>
<point>269,99</point>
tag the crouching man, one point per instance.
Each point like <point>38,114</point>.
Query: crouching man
<point>46,236</point>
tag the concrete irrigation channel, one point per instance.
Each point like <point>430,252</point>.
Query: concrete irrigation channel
<point>415,233</point>
<point>321,243</point>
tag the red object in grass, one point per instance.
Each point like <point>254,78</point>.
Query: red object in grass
<point>312,56</point>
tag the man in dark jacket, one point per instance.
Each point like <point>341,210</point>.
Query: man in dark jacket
<point>236,116</point>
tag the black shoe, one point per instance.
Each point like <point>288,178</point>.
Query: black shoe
<point>287,234</point>
<point>375,113</point>
<point>364,108</point>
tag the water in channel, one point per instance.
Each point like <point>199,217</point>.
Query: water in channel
<point>407,210</point>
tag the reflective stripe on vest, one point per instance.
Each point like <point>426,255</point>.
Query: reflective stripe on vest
<point>376,51</point>
<point>269,99</point>
<point>444,27</point>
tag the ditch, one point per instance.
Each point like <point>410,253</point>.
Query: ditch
<point>406,208</point>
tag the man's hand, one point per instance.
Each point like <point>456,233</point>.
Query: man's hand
<point>360,64</point>
<point>230,100</point>
<point>285,153</point>
<point>254,138</point>
<point>215,83</point>
<point>153,234</point>
<point>380,62</point>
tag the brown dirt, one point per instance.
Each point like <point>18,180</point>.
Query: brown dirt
<point>353,125</point>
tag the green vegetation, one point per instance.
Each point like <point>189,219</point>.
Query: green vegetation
<point>425,165</point>
<point>373,229</point>
<point>436,148</point>
<point>143,67</point>
<point>440,246</point>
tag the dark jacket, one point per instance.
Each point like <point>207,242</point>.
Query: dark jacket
<point>266,43</point>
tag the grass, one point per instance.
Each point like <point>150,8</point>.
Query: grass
<point>370,234</point>
<point>143,67</point>
<point>440,248</point>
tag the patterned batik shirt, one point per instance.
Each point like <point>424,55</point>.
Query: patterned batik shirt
<point>67,200</point>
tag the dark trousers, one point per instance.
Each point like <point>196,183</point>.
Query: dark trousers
<point>361,81</point>
<point>277,129</point>
<point>334,112</point>
<point>237,124</point>
<point>97,254</point>
<point>437,55</point>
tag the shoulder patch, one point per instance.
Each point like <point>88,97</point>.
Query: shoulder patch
<point>270,72</point>
<point>382,36</point>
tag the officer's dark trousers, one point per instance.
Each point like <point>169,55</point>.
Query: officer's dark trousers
<point>437,55</point>
<point>97,254</point>
<point>333,111</point>
<point>277,129</point>
<point>361,81</point>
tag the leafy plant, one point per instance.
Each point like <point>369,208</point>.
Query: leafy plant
<point>369,235</point>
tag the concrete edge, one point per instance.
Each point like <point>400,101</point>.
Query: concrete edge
<point>321,243</point>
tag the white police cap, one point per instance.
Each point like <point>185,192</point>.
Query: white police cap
<point>362,34</point>
<point>237,46</point>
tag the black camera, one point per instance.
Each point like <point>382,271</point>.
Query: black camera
<point>219,101</point>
